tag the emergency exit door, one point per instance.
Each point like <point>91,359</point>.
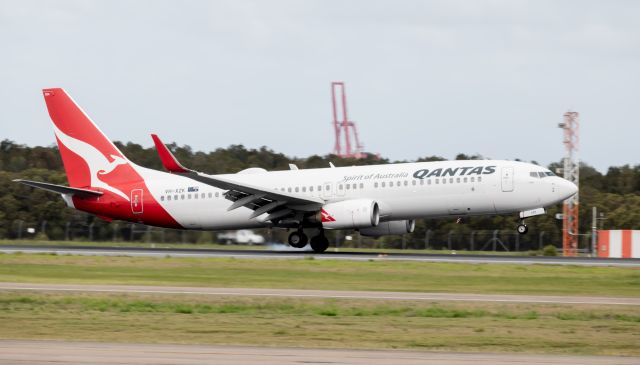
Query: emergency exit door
<point>136,201</point>
<point>507,179</point>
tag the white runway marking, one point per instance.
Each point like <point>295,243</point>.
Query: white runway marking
<point>477,259</point>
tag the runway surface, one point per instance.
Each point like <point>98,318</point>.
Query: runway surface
<point>14,352</point>
<point>331,255</point>
<point>334,294</point>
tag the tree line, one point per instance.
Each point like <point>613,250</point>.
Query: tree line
<point>615,193</point>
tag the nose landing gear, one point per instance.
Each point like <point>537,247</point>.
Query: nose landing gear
<point>522,228</point>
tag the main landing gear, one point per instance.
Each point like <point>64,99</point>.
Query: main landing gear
<point>298,239</point>
<point>319,243</point>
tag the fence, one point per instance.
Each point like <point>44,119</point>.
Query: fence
<point>452,240</point>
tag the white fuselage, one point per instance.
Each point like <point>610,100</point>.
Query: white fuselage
<point>402,191</point>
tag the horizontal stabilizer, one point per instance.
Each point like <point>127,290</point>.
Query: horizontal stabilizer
<point>59,188</point>
<point>168,159</point>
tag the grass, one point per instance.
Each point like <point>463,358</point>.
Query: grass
<point>584,330</point>
<point>323,274</point>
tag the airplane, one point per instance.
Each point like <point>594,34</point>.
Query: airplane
<point>375,200</point>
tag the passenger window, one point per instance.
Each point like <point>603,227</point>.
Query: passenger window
<point>311,189</point>
<point>382,184</point>
<point>465,179</point>
<point>479,179</point>
<point>188,196</point>
<point>162,198</point>
<point>458,180</point>
<point>437,181</point>
<point>217,194</point>
<point>390,184</point>
<point>406,183</point>
<point>451,180</point>
<point>399,184</point>
<point>304,189</point>
<point>202,195</point>
<point>182,197</point>
<point>375,184</point>
<point>289,189</point>
<point>444,181</point>
<point>429,182</point>
<point>297,189</point>
<point>339,186</point>
<point>195,196</point>
<point>473,179</point>
<point>422,182</point>
<point>210,195</point>
<point>361,186</point>
<point>175,197</point>
<point>168,197</point>
<point>327,187</point>
<point>348,186</point>
<point>413,182</point>
<point>355,186</point>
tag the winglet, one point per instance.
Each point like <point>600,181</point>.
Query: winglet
<point>168,160</point>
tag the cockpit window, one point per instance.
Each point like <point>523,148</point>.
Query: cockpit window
<point>541,174</point>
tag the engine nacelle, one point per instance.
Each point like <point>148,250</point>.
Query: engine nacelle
<point>390,228</point>
<point>349,214</point>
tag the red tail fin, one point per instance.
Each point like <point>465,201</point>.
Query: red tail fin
<point>88,155</point>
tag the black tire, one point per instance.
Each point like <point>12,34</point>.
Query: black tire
<point>523,229</point>
<point>298,239</point>
<point>319,244</point>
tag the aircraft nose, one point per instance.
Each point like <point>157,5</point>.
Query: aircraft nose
<point>567,189</point>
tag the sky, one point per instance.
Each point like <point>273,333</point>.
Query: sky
<point>423,77</point>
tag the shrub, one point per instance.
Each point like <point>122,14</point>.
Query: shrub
<point>550,250</point>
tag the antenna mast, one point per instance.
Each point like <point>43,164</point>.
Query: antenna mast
<point>571,171</point>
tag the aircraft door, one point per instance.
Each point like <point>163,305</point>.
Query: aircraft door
<point>327,190</point>
<point>507,179</point>
<point>136,201</point>
<point>340,188</point>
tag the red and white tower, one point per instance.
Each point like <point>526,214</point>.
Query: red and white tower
<point>343,126</point>
<point>571,170</point>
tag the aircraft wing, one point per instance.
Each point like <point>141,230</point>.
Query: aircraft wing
<point>59,188</point>
<point>277,204</point>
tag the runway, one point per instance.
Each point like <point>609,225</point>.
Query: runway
<point>330,255</point>
<point>328,294</point>
<point>14,352</point>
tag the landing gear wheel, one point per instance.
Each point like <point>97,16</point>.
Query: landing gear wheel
<point>319,243</point>
<point>298,239</point>
<point>522,228</point>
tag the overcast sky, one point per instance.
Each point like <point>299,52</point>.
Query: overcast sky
<point>423,77</point>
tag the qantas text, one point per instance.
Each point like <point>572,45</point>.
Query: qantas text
<point>457,171</point>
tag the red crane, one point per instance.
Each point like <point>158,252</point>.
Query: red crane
<point>341,123</point>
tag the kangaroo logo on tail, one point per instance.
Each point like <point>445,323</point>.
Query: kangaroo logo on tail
<point>98,164</point>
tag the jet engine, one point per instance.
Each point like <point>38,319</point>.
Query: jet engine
<point>390,228</point>
<point>349,214</point>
